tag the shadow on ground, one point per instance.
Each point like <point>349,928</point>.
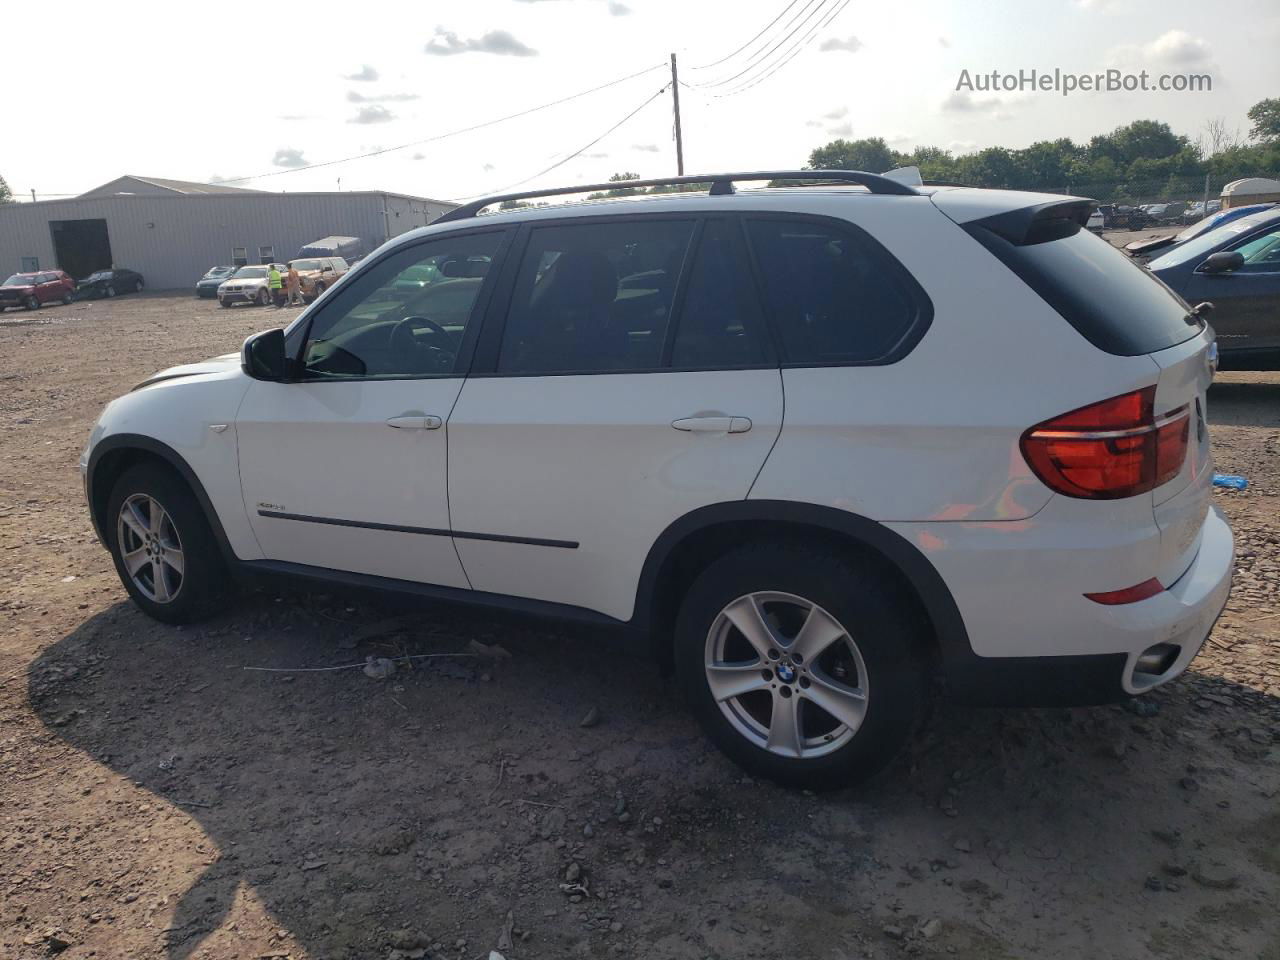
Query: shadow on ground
<point>1244,403</point>
<point>436,801</point>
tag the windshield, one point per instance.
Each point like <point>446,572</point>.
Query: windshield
<point>305,264</point>
<point>20,280</point>
<point>1197,248</point>
<point>251,272</point>
<point>100,275</point>
<point>219,271</point>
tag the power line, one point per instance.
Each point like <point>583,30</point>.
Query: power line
<point>806,16</point>
<point>564,160</point>
<point>445,136</point>
<point>789,56</point>
<point>717,63</point>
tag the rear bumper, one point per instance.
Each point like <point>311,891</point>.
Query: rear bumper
<point>1093,657</point>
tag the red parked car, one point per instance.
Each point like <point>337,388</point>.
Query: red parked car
<point>30,290</point>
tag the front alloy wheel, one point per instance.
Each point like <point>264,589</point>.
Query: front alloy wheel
<point>786,674</point>
<point>150,548</point>
<point>163,547</point>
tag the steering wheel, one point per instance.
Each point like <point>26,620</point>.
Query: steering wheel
<point>404,338</point>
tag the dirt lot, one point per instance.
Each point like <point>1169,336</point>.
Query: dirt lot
<point>159,800</point>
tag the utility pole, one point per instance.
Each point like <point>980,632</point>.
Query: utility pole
<point>675,99</point>
<point>33,194</point>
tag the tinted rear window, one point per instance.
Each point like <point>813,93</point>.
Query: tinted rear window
<point>1115,304</point>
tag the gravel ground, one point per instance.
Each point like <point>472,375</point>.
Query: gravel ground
<point>159,800</point>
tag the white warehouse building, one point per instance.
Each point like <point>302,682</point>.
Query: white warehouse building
<point>172,231</point>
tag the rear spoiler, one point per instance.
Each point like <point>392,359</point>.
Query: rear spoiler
<point>1140,248</point>
<point>1038,223</point>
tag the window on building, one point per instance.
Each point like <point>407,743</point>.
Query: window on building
<point>30,264</point>
<point>240,256</point>
<point>266,254</point>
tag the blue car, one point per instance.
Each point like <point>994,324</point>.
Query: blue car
<point>207,286</point>
<point>1236,267</point>
<point>1159,246</point>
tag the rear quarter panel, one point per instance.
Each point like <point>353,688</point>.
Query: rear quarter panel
<point>934,436</point>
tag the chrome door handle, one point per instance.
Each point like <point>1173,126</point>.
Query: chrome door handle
<point>713,424</point>
<point>415,422</point>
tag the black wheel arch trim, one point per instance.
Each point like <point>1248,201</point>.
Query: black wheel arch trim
<point>939,605</point>
<point>124,442</point>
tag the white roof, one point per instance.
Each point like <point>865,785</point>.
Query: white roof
<point>1251,185</point>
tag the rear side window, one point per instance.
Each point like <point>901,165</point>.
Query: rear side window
<point>592,297</point>
<point>835,296</point>
<point>719,322</point>
<point>1115,304</point>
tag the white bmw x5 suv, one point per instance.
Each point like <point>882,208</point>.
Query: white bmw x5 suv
<point>816,447</point>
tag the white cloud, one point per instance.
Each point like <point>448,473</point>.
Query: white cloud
<point>1178,46</point>
<point>288,157</point>
<point>375,113</point>
<point>355,96</point>
<point>841,129</point>
<point>446,43</point>
<point>944,42</point>
<point>646,147</point>
<point>962,101</point>
<point>618,9</point>
<point>366,74</point>
<point>849,44</point>
<point>837,114</point>
<point>1173,48</point>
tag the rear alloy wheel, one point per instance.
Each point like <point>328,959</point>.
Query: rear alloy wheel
<point>802,663</point>
<point>137,286</point>
<point>111,291</point>
<point>66,299</point>
<point>31,303</point>
<point>162,546</point>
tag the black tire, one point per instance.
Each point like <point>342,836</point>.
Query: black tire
<point>137,286</point>
<point>886,626</point>
<point>111,291</point>
<point>205,584</point>
<point>319,289</point>
<point>263,297</point>
<point>31,303</point>
<point>223,303</point>
<point>66,299</point>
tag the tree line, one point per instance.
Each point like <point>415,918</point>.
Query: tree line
<point>1139,159</point>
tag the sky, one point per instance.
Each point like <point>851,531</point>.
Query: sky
<point>175,90</point>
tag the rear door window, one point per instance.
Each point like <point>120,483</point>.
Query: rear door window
<point>594,297</point>
<point>720,323</point>
<point>835,296</point>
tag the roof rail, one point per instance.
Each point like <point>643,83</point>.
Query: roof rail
<point>721,184</point>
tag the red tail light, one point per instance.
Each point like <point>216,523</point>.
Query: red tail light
<point>1109,450</point>
<point>1140,591</point>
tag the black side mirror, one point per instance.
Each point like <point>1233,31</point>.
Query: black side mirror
<point>1223,261</point>
<point>263,358</point>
